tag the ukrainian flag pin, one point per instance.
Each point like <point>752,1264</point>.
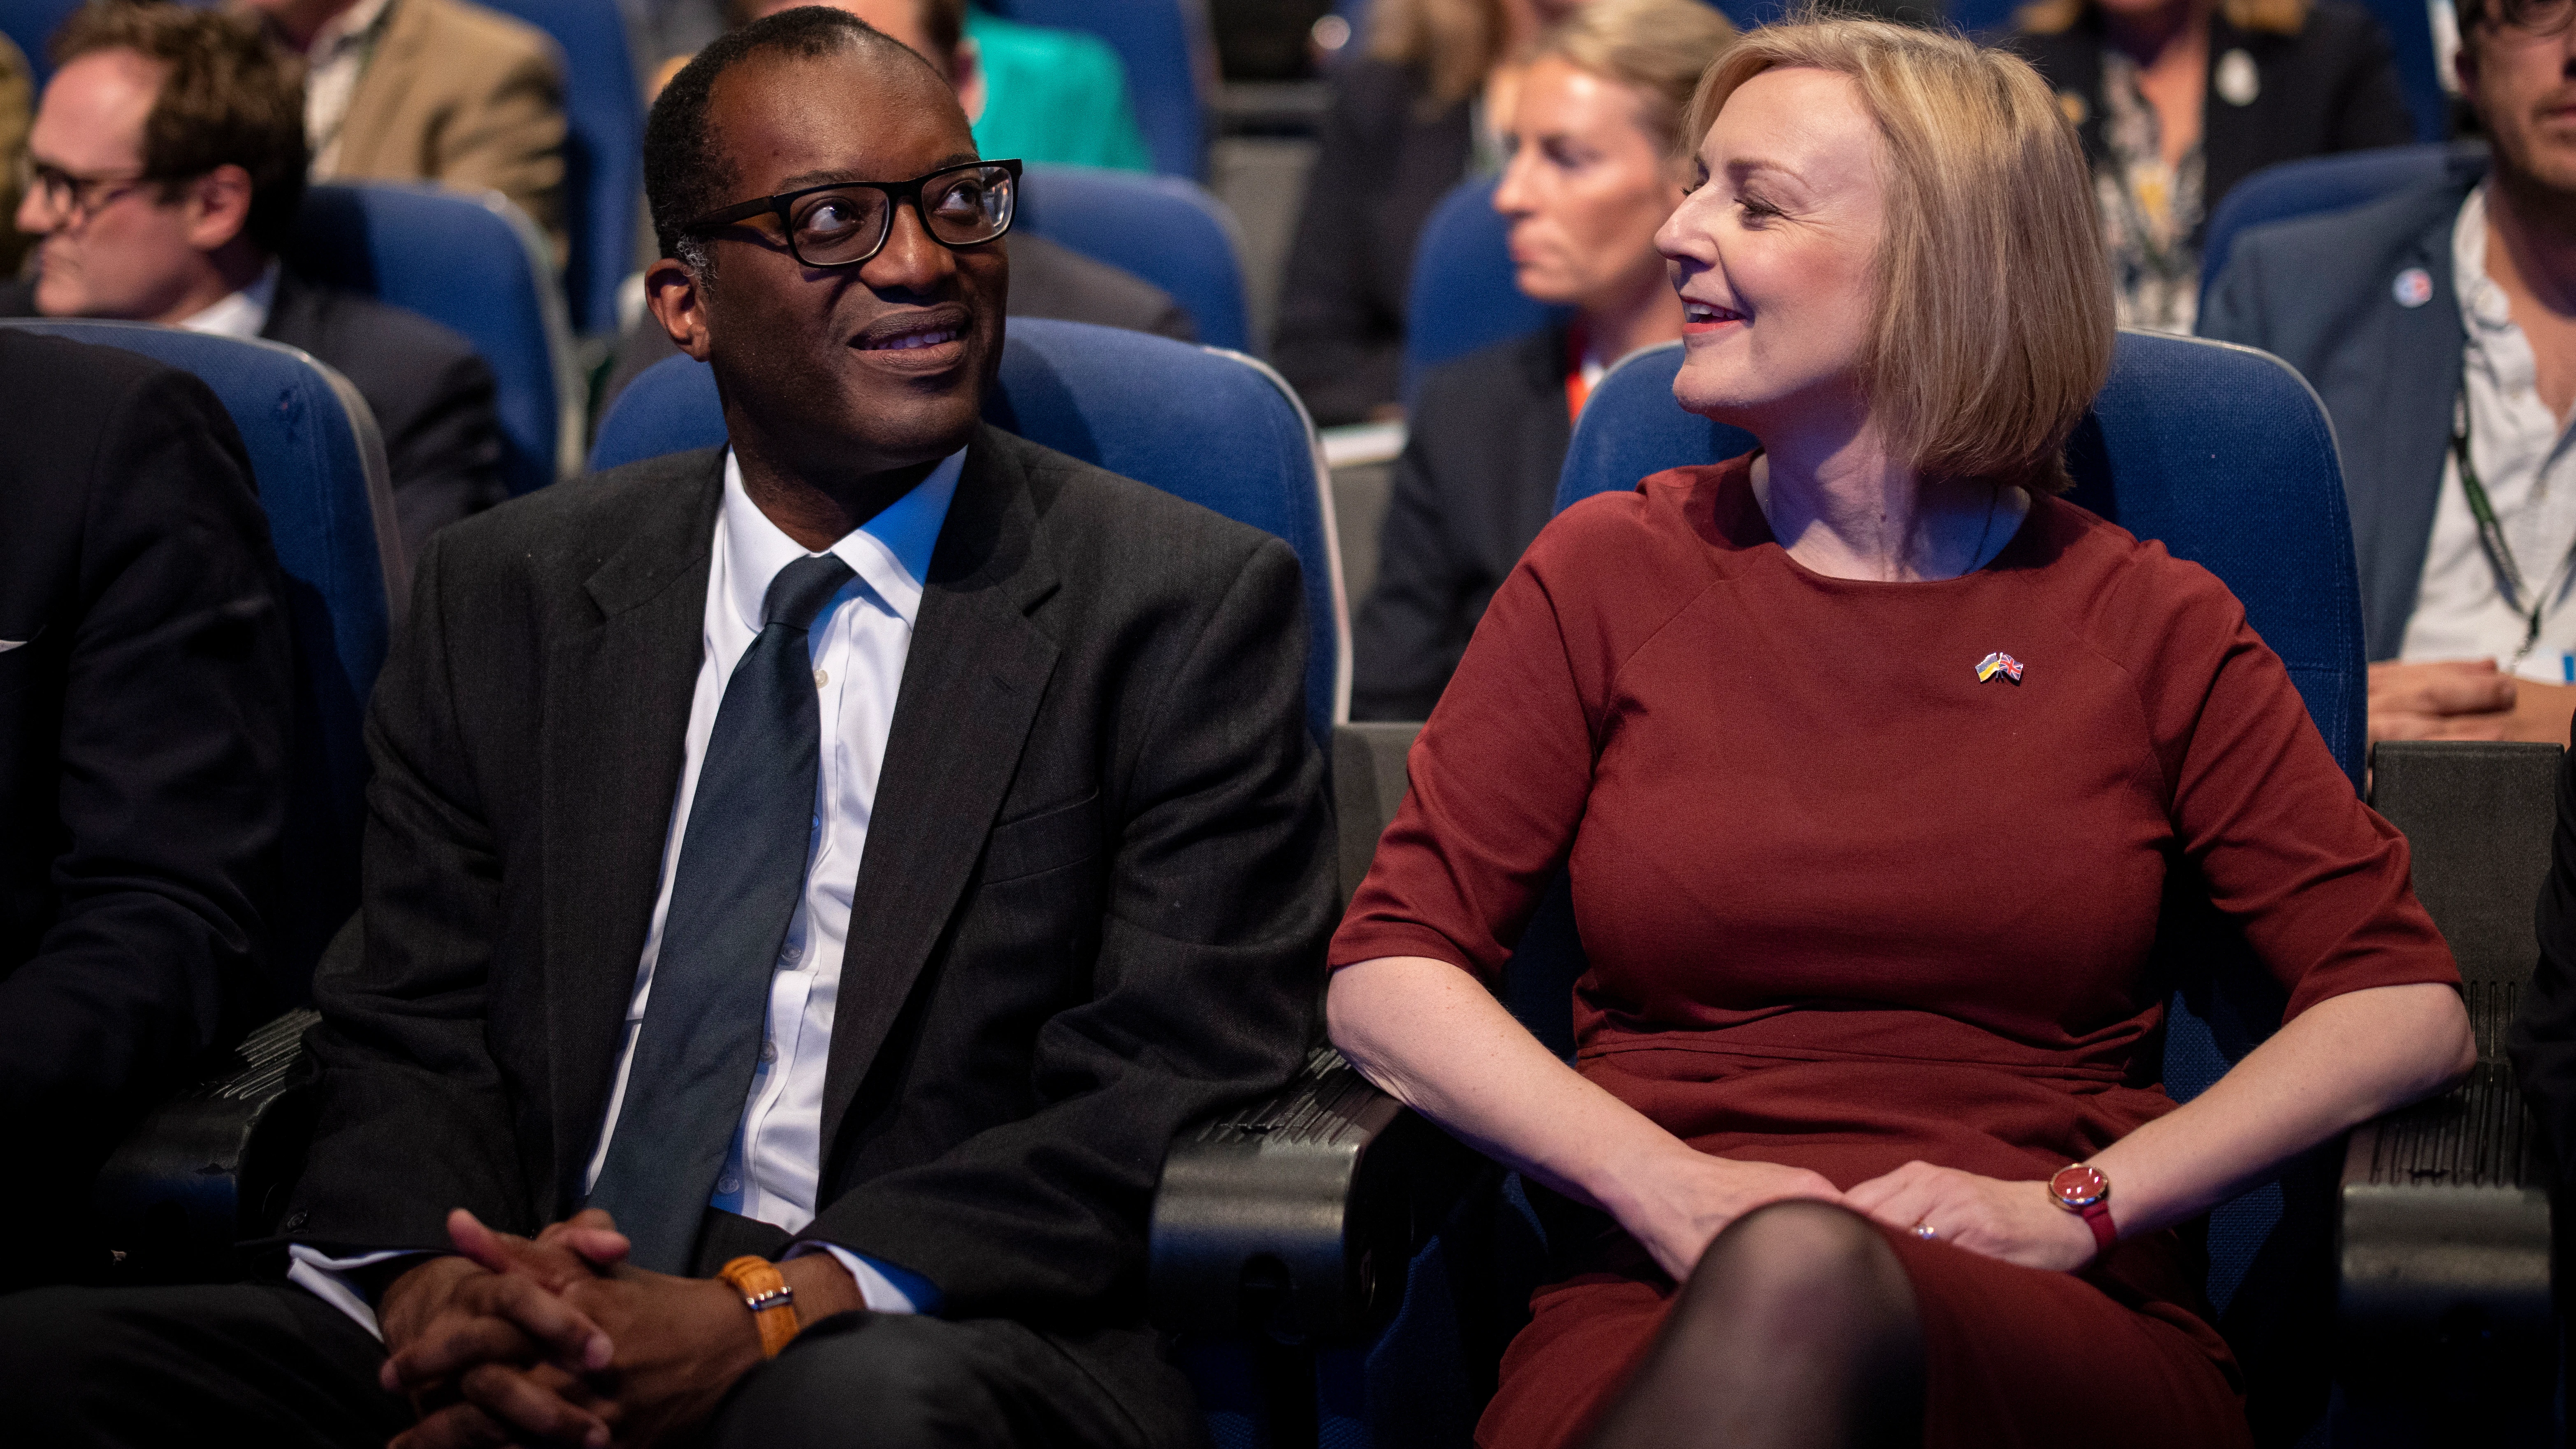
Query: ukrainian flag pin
<point>1999,663</point>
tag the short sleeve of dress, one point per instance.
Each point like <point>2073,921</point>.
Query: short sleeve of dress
<point>1501,771</point>
<point>2317,880</point>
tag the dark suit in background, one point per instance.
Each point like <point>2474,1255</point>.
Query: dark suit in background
<point>1047,280</point>
<point>2319,293</point>
<point>1091,909</point>
<point>144,704</point>
<point>1385,163</point>
<point>1476,483</point>
<point>2542,1040</point>
<point>2331,87</point>
<point>431,393</point>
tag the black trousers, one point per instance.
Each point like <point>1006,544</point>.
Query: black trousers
<point>271,1364</point>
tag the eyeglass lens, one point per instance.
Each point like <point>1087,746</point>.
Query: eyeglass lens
<point>961,208</point>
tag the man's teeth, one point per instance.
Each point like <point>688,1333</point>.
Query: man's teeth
<point>912,340</point>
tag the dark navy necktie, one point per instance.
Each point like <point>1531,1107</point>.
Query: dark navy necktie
<point>742,870</point>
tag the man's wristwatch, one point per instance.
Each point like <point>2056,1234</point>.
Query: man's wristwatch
<point>771,1301</point>
<point>2085,1192</point>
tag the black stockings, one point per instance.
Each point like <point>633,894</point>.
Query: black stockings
<point>1797,1331</point>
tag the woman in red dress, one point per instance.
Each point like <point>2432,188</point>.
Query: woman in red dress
<point>1869,759</point>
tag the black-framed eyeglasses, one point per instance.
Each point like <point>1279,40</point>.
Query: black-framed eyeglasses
<point>76,198</point>
<point>2533,17</point>
<point>843,223</point>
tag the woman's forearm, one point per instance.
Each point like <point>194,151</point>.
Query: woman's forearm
<point>2338,1064</point>
<point>1432,1036</point>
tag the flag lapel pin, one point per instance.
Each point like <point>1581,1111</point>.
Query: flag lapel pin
<point>1999,663</point>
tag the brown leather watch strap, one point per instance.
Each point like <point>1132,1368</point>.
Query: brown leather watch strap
<point>772,1303</point>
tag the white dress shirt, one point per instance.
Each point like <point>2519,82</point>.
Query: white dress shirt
<point>239,314</point>
<point>858,644</point>
<point>2526,460</point>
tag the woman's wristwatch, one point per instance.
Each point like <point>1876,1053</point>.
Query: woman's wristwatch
<point>2085,1192</point>
<point>772,1303</point>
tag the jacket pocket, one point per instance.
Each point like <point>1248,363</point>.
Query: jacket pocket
<point>1046,840</point>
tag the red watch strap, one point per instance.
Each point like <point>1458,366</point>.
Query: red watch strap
<point>2098,1218</point>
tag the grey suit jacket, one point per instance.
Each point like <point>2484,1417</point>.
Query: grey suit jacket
<point>2320,293</point>
<point>1092,907</point>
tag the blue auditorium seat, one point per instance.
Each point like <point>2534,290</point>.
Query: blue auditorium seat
<point>1221,431</point>
<point>474,262</point>
<point>2224,455</point>
<point>31,23</point>
<point>1462,296</point>
<point>322,482</point>
<point>603,151</point>
<point>1165,229</point>
<point>2409,24</point>
<point>2328,183</point>
<point>1170,59</point>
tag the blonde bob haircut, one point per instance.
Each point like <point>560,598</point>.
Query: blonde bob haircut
<point>1656,48</point>
<point>1993,320</point>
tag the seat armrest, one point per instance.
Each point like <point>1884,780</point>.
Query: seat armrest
<point>210,1167</point>
<point>1295,1217</point>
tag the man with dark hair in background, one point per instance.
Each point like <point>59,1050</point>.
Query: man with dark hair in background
<point>808,885</point>
<point>145,688</point>
<point>166,165</point>
<point>2439,327</point>
<point>1047,280</point>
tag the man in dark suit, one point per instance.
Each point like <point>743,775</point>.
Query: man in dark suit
<point>144,687</point>
<point>168,158</point>
<point>842,861</point>
<point>1047,280</point>
<point>2440,325</point>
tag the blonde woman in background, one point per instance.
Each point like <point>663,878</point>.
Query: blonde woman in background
<point>1868,759</point>
<point>1592,170</point>
<point>2179,100</point>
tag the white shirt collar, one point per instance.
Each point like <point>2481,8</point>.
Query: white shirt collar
<point>890,553</point>
<point>243,313</point>
<point>2483,306</point>
<point>347,27</point>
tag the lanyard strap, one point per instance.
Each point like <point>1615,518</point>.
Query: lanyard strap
<point>2509,577</point>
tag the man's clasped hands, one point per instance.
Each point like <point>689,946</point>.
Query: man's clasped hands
<point>558,1340</point>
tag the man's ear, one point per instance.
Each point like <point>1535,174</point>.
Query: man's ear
<point>678,299</point>
<point>966,73</point>
<point>216,206</point>
<point>2464,68</point>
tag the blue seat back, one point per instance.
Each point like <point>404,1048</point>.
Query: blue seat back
<point>2225,456</point>
<point>474,263</point>
<point>1165,229</point>
<point>2327,183</point>
<point>31,23</point>
<point>1219,430</point>
<point>1171,66</point>
<point>321,473</point>
<point>2409,25</point>
<point>1462,296</point>
<point>603,151</point>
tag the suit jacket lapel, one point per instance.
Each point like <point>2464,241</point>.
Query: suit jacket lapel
<point>615,737</point>
<point>2231,136</point>
<point>367,127</point>
<point>971,686</point>
<point>2420,361</point>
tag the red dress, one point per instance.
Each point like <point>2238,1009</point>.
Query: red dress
<point>1847,905</point>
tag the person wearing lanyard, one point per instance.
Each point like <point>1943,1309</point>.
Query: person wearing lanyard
<point>2439,326</point>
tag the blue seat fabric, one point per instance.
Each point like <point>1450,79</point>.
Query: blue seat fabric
<point>31,23</point>
<point>2322,184</point>
<point>1461,296</point>
<point>1164,229</point>
<point>445,256</point>
<point>603,151</point>
<point>305,452</point>
<point>1168,56</point>
<point>1221,433</point>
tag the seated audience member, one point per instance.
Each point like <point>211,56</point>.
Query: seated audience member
<point>2440,328</point>
<point>1047,280</point>
<point>17,107</point>
<point>2542,1040</point>
<point>168,164</point>
<point>1869,758</point>
<point>430,90</point>
<point>1591,175</point>
<point>1052,95</point>
<point>837,864</point>
<point>144,714</point>
<point>1408,120</point>
<point>2178,100</point>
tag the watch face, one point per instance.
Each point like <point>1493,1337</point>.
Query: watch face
<point>2079,1186</point>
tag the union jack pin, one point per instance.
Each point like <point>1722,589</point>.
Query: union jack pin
<point>1999,663</point>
